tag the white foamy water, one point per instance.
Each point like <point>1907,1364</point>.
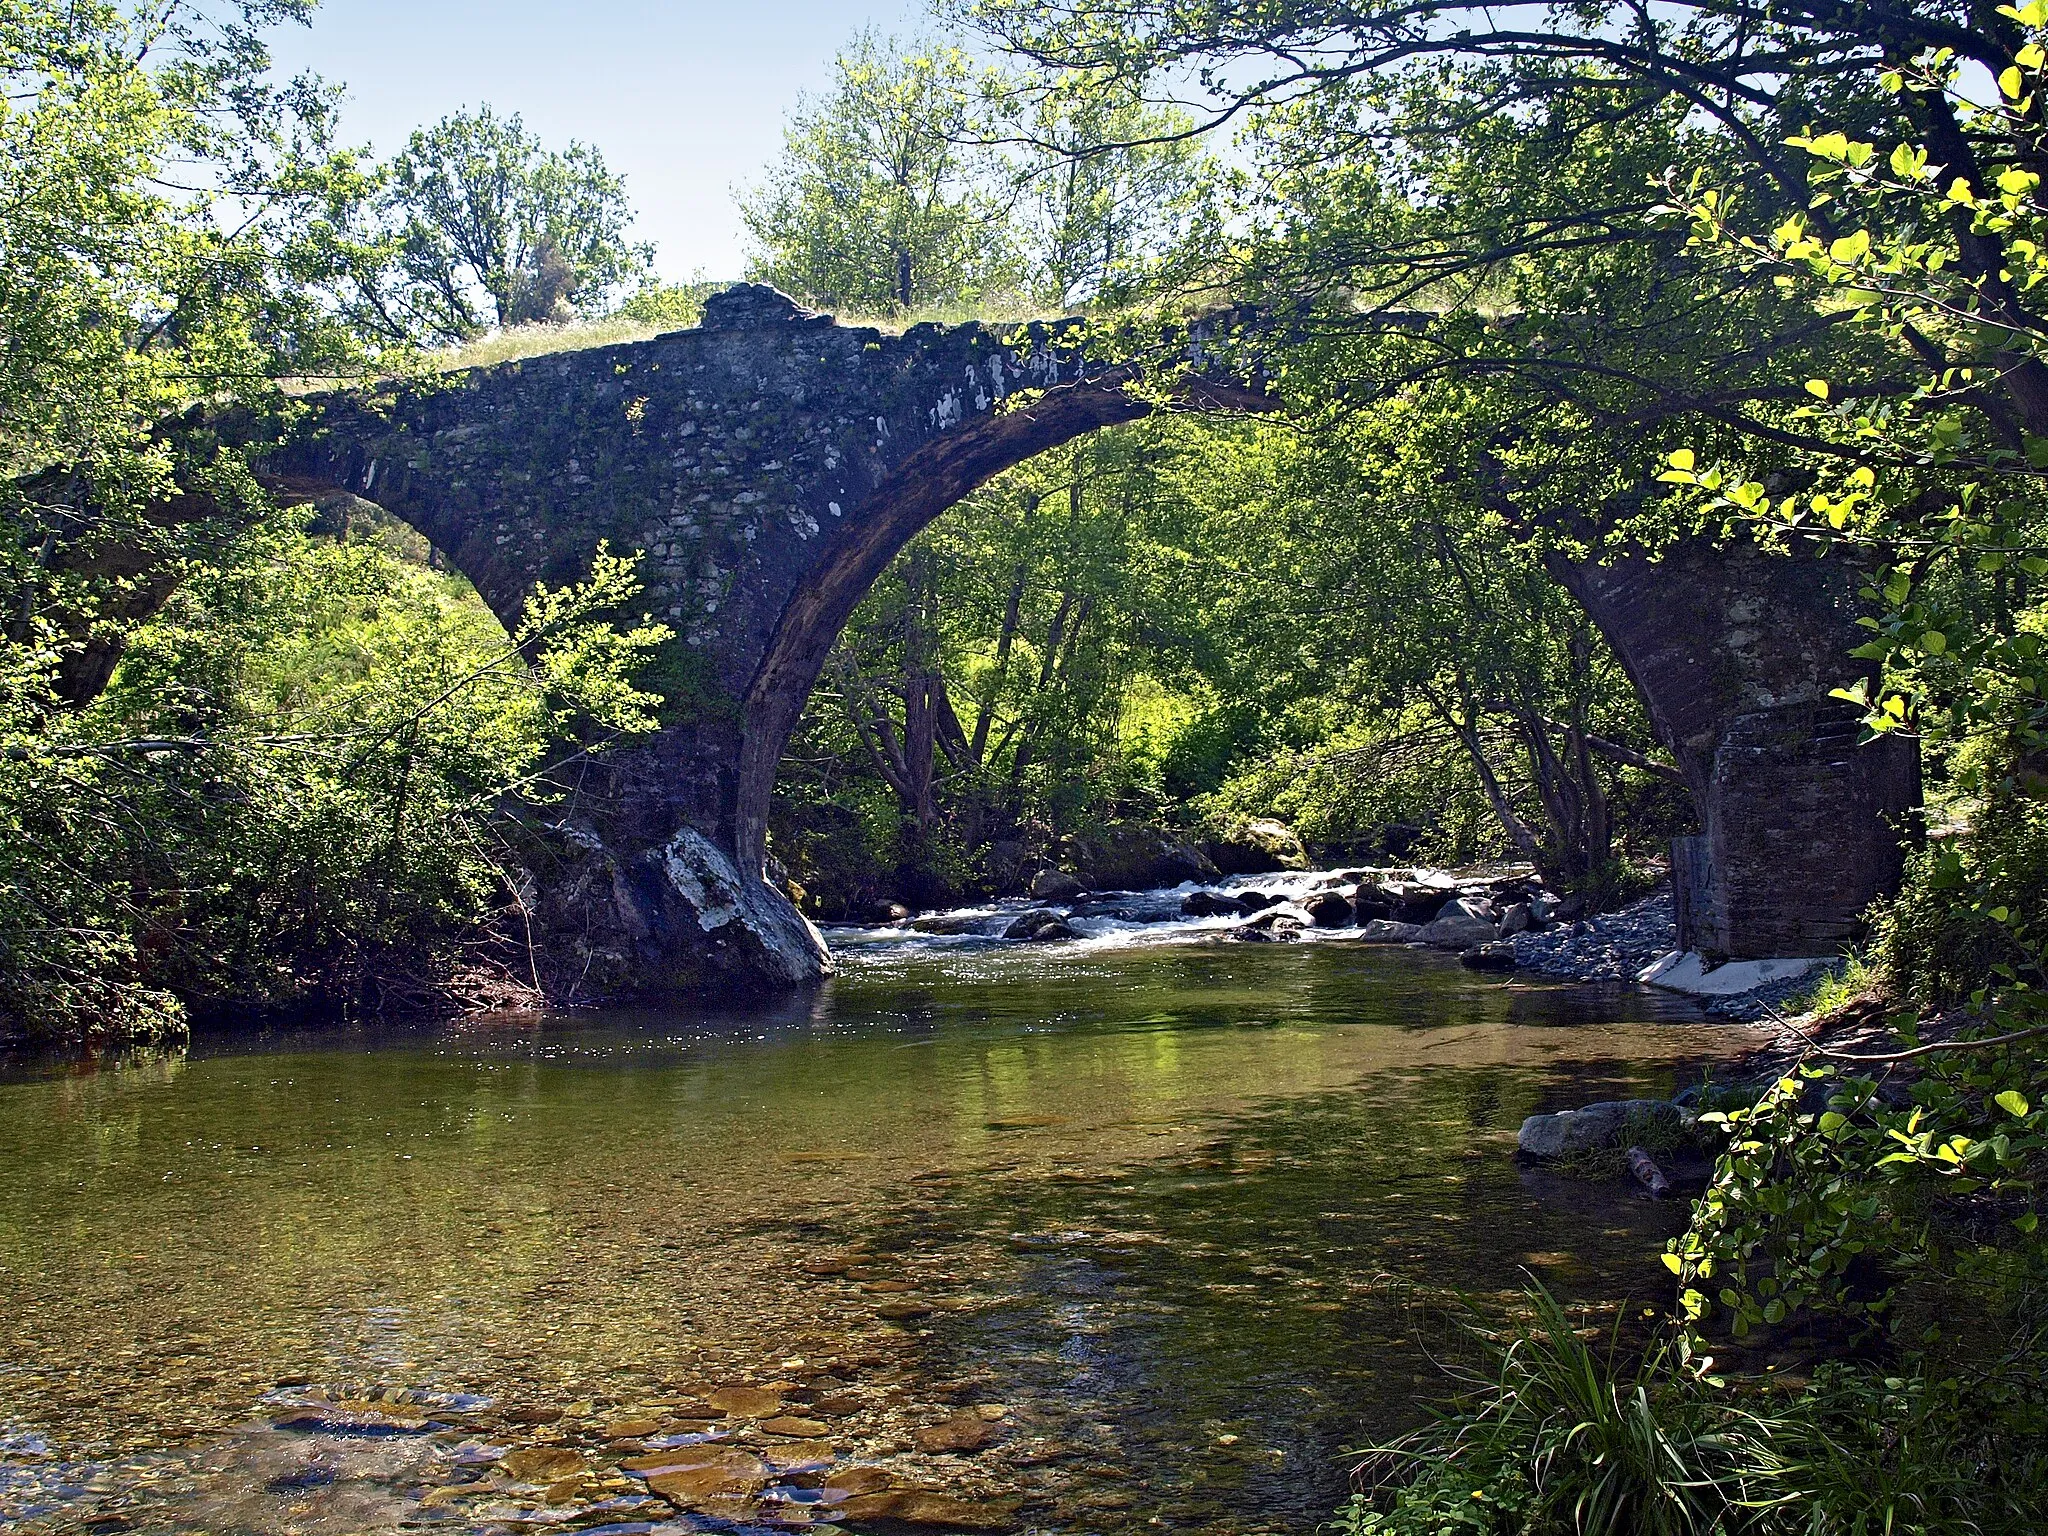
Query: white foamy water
<point>1120,919</point>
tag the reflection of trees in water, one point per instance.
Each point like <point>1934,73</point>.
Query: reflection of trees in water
<point>1293,1281</point>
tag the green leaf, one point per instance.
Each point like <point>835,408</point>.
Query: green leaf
<point>1818,388</point>
<point>1850,249</point>
<point>1673,1263</point>
<point>2012,1102</point>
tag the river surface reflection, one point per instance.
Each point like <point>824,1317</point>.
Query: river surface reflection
<point>1155,1215</point>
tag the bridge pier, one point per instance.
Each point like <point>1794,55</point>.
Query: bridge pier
<point>1735,653</point>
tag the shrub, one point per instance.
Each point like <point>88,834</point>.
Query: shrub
<point>291,791</point>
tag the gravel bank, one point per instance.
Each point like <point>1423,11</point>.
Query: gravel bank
<point>1615,946</point>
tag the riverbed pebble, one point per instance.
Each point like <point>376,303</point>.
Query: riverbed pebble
<point>1781,996</point>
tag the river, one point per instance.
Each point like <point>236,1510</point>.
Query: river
<point>1134,1233</point>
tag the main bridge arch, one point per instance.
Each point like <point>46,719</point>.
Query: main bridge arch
<point>770,463</point>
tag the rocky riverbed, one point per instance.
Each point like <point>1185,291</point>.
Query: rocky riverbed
<point>1614,946</point>
<point>1497,917</point>
<point>1063,1235</point>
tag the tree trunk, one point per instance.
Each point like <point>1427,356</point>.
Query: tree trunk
<point>984,715</point>
<point>920,674</point>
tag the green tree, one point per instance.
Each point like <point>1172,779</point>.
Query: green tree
<point>497,230</point>
<point>301,788</point>
<point>185,238</point>
<point>178,228</point>
<point>875,205</point>
<point>1927,240</point>
<point>984,692</point>
<point>1835,339</point>
<point>1114,192</point>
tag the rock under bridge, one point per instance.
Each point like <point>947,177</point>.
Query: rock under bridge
<point>770,463</point>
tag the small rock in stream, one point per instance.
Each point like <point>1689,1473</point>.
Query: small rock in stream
<point>541,1464</point>
<point>1589,1129</point>
<point>1033,924</point>
<point>962,1432</point>
<point>1497,956</point>
<point>745,1402</point>
<point>1328,909</point>
<point>1384,930</point>
<point>795,1428</point>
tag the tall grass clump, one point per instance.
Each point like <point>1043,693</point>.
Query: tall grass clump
<point>1551,1436</point>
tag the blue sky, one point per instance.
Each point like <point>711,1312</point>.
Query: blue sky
<point>685,99</point>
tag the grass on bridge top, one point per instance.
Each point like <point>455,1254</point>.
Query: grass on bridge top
<point>523,341</point>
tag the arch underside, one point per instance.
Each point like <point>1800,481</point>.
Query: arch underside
<point>934,478</point>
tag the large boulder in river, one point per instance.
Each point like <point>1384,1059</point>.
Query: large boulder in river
<point>1463,924</point>
<point>1329,909</point>
<point>1130,856</point>
<point>1055,885</point>
<point>1597,1126</point>
<point>1211,904</point>
<point>1260,846</point>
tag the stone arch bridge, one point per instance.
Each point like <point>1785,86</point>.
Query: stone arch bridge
<point>770,464</point>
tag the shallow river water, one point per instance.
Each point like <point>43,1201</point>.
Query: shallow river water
<point>1100,1236</point>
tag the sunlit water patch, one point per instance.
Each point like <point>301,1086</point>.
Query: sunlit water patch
<point>1067,1237</point>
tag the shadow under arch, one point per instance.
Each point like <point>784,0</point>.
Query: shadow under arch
<point>935,478</point>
